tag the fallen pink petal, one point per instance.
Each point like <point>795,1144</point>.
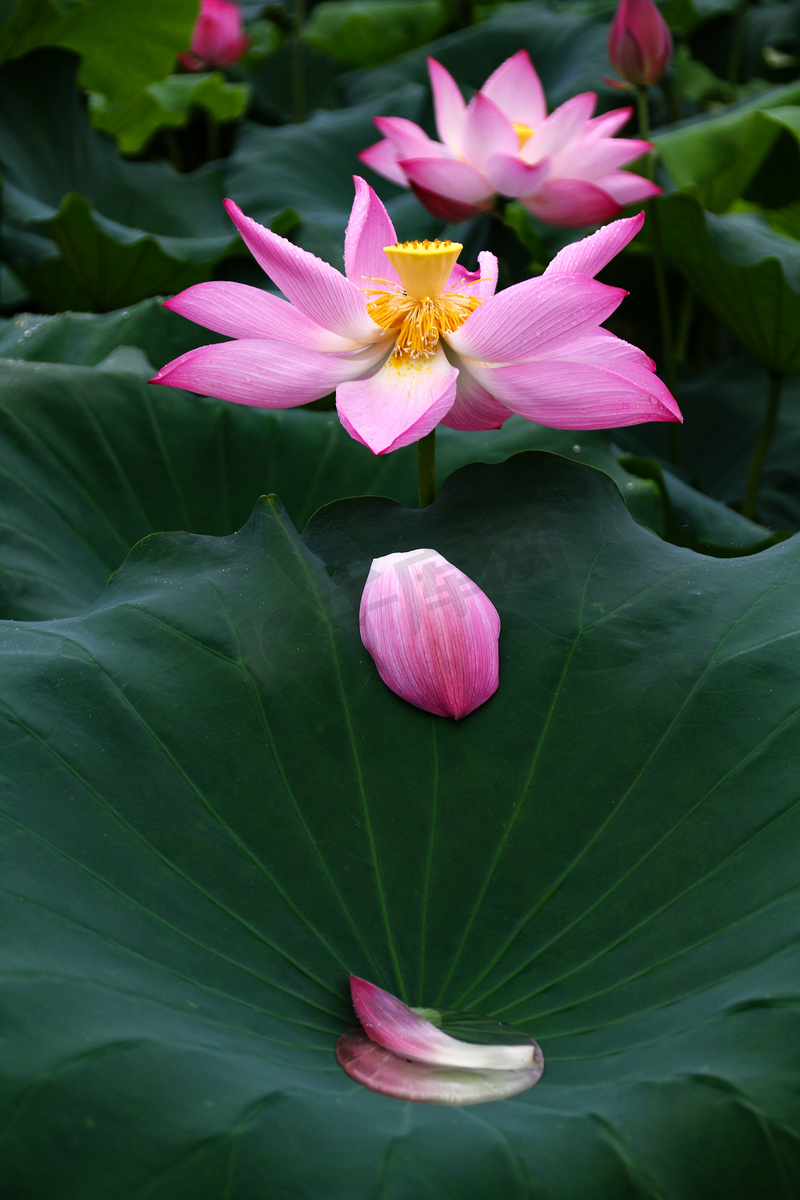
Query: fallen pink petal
<point>639,42</point>
<point>565,167</point>
<point>431,631</point>
<point>408,338</point>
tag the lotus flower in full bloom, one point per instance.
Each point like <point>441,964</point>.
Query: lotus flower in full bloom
<point>431,631</point>
<point>564,168</point>
<point>408,338</point>
<point>399,1052</point>
<point>218,37</point>
<point>639,43</point>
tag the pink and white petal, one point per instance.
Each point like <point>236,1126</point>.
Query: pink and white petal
<point>534,317</point>
<point>381,157</point>
<point>517,90</point>
<point>487,131</point>
<point>409,140</point>
<point>261,373</point>
<point>605,349</point>
<point>385,1019</point>
<point>390,1075</point>
<point>564,126</point>
<point>572,203</point>
<point>241,311</point>
<point>596,157</point>
<point>446,209</point>
<point>314,286</point>
<point>592,253</point>
<point>607,124</point>
<point>403,402</point>
<point>449,105</point>
<point>482,282</point>
<point>449,178</point>
<point>578,395</point>
<point>474,407</point>
<point>368,231</point>
<point>510,176</point>
<point>626,187</point>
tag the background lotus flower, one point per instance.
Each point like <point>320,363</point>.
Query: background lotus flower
<point>639,42</point>
<point>563,167</point>
<point>218,37</point>
<point>431,631</point>
<point>407,338</point>
<point>401,1053</point>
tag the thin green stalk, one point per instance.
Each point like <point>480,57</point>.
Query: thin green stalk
<point>737,42</point>
<point>212,137</point>
<point>762,447</point>
<point>426,469</point>
<point>660,272</point>
<point>174,150</point>
<point>685,318</point>
<point>298,62</point>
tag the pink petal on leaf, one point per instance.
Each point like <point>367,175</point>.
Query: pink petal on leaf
<point>432,633</point>
<point>316,287</point>
<point>449,105</point>
<point>403,402</point>
<point>381,1071</point>
<point>517,90</point>
<point>368,231</point>
<point>592,253</point>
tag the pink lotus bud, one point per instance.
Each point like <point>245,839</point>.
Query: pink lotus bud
<point>431,631</point>
<point>639,42</point>
<point>218,38</point>
<point>401,1053</point>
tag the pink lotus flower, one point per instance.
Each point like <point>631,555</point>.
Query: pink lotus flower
<point>218,38</point>
<point>431,631</point>
<point>639,42</point>
<point>407,338</point>
<point>564,167</point>
<point>401,1053</point>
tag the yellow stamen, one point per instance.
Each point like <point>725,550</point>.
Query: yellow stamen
<point>422,311</point>
<point>523,132</point>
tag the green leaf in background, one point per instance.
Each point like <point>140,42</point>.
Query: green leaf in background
<point>213,810</point>
<point>124,47</point>
<point>168,105</point>
<point>365,32</point>
<point>746,274</point>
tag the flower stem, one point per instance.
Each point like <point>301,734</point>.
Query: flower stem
<point>426,468</point>
<point>660,272</point>
<point>762,447</point>
<point>298,62</point>
<point>212,137</point>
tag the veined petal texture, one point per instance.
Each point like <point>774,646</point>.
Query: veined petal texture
<point>432,632</point>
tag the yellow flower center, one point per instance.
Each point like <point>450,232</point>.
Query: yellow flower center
<point>423,311</point>
<point>523,132</point>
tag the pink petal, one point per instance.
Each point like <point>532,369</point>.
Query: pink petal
<point>316,287</point>
<point>591,254</point>
<point>368,231</point>
<point>625,187</point>
<point>448,104</point>
<point>386,1073</point>
<point>382,158</point>
<point>446,210</point>
<point>531,318</point>
<point>241,311</point>
<point>387,1020</point>
<point>409,140</point>
<point>561,128</point>
<point>510,176</point>
<point>596,157</point>
<point>605,349</point>
<point>517,91</point>
<point>482,282</point>
<point>433,635</point>
<point>579,395</point>
<point>607,124</point>
<point>449,178</point>
<point>262,373</point>
<point>474,408</point>
<point>487,131</point>
<point>572,203</point>
<point>403,402</point>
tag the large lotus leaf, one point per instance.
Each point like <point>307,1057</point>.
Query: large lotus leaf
<point>168,104</point>
<point>120,230</point>
<point>214,811</point>
<point>363,32</point>
<point>123,47</point>
<point>744,271</point>
<point>717,157</point>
